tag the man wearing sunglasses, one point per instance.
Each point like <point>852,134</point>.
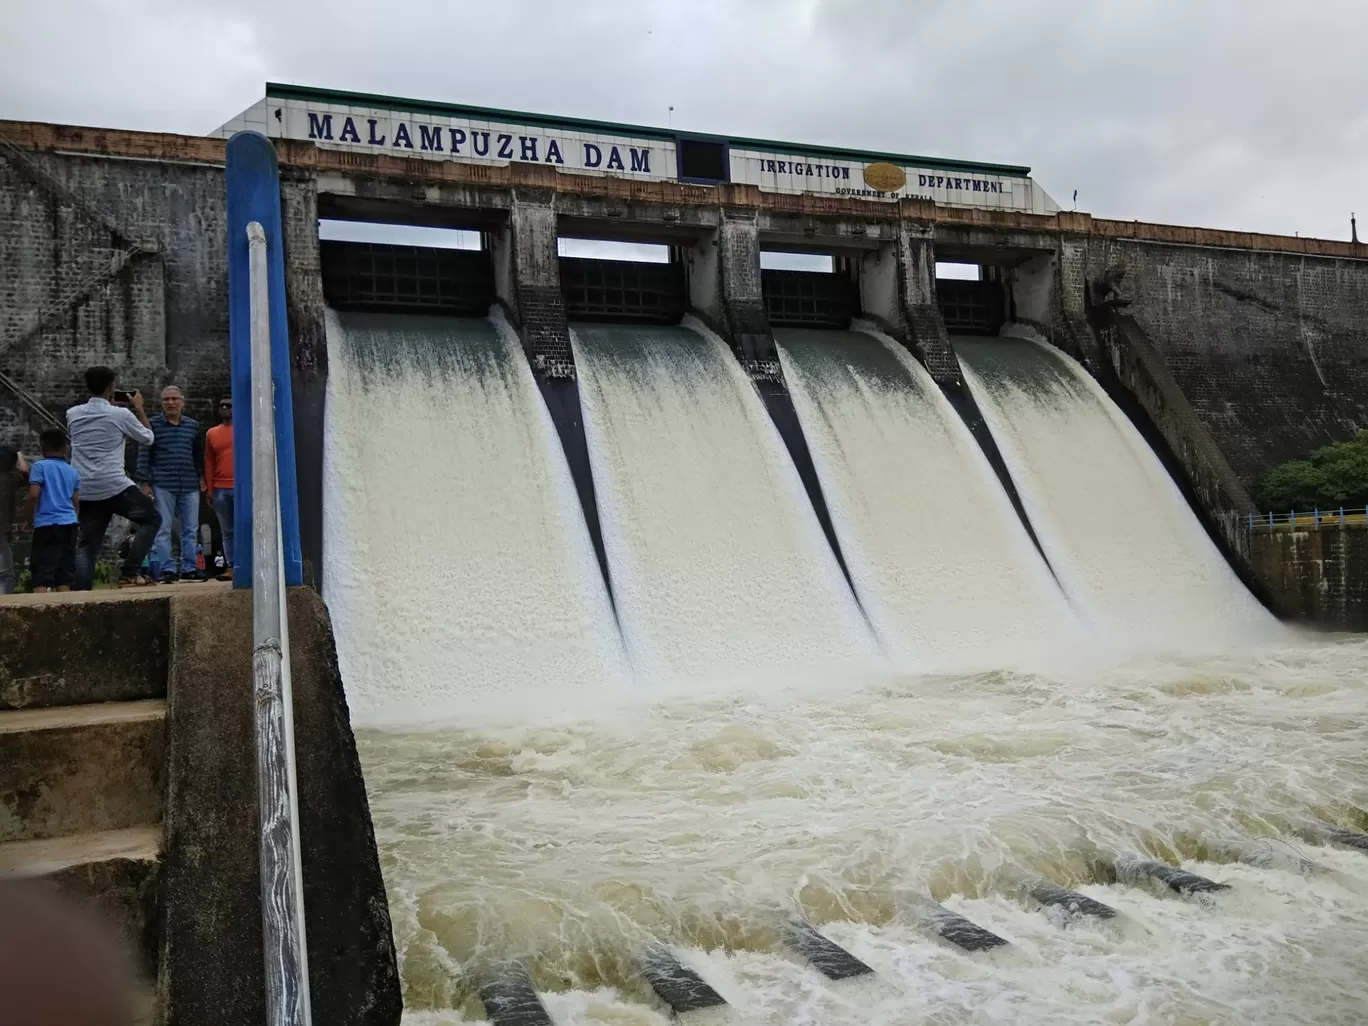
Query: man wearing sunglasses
<point>218,478</point>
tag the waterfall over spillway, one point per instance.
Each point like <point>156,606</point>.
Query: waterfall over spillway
<point>458,568</point>
<point>1121,539</point>
<point>719,566</point>
<point>525,821</point>
<point>943,566</point>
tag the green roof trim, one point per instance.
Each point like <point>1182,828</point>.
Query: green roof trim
<point>278,90</point>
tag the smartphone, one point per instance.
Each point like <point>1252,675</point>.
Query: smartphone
<point>122,396</point>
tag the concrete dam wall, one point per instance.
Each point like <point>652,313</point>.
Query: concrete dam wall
<point>113,252</point>
<point>1269,346</point>
<point>110,260</point>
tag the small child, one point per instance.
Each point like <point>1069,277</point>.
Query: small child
<point>54,499</point>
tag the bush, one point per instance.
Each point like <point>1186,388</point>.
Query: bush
<point>103,577</point>
<point>1331,477</point>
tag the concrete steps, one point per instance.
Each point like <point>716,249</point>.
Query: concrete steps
<point>84,647</point>
<point>113,872</point>
<point>128,781</point>
<point>83,744</point>
<point>81,769</point>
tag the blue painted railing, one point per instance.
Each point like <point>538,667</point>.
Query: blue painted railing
<point>1314,519</point>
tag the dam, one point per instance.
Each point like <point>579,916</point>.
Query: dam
<point>750,644</point>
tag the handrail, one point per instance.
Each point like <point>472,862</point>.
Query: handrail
<point>282,910</point>
<point>1314,518</point>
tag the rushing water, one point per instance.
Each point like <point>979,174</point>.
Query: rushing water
<point>1117,531</point>
<point>757,761</point>
<point>574,843</point>
<point>719,566</point>
<point>457,563</point>
<point>943,566</point>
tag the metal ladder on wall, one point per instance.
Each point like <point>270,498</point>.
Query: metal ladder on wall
<point>128,247</point>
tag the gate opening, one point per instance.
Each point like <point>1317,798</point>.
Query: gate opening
<point>621,282</point>
<point>809,290</point>
<point>403,268</point>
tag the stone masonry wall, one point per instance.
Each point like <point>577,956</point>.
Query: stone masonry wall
<point>1270,348</point>
<point>1317,576</point>
<point>163,319</point>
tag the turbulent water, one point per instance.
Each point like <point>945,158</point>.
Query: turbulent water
<point>942,563</point>
<point>574,844</point>
<point>744,756</point>
<point>457,565</point>
<point>1117,531</point>
<point>719,566</point>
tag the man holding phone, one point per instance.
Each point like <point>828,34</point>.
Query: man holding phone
<point>99,430</point>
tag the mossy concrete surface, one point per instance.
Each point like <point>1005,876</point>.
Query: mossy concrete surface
<point>211,966</point>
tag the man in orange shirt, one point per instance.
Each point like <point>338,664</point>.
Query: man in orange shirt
<point>218,478</point>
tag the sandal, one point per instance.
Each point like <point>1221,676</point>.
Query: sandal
<point>134,582</point>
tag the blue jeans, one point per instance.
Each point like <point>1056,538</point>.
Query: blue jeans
<point>185,507</point>
<point>223,506</point>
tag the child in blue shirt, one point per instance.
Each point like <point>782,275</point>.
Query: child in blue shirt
<point>54,499</point>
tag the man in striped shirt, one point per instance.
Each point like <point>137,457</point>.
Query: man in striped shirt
<point>171,470</point>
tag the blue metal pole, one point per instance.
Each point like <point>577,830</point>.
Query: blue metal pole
<point>253,193</point>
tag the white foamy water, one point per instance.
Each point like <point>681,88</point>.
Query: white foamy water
<point>944,568</point>
<point>555,817</point>
<point>719,566</point>
<point>457,566</point>
<point>1120,536</point>
<point>573,844</point>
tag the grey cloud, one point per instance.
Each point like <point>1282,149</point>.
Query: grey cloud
<point>1230,113</point>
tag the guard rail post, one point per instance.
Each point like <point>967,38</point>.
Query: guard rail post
<point>282,918</point>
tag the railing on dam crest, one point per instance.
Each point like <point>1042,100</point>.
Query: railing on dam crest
<point>1314,519</point>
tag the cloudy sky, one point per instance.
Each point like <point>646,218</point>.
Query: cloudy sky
<point>1247,114</point>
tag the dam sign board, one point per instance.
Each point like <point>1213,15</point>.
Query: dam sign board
<point>360,123</point>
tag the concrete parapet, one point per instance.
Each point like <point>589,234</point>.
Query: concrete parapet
<point>210,957</point>
<point>307,158</point>
<point>146,811</point>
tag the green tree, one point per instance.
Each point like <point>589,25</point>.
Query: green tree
<point>1333,476</point>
